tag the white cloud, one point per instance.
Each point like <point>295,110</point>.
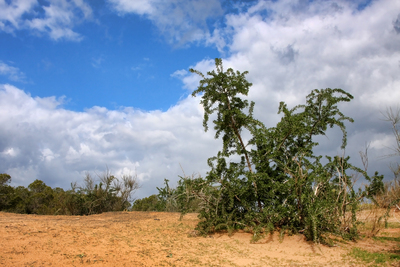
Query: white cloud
<point>179,20</point>
<point>12,12</point>
<point>141,7</point>
<point>292,47</point>
<point>11,72</point>
<point>55,18</point>
<point>41,140</point>
<point>179,73</point>
<point>288,49</point>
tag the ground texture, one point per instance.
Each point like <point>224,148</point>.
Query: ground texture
<point>161,239</point>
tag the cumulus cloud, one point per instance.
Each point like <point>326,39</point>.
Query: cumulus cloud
<point>288,47</point>
<point>55,18</point>
<point>41,140</point>
<point>292,47</point>
<point>179,20</point>
<point>290,50</point>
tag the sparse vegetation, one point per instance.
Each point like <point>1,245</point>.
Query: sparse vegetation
<point>111,194</point>
<point>179,199</point>
<point>386,196</point>
<point>390,195</point>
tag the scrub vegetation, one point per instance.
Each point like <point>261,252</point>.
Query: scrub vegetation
<point>110,194</point>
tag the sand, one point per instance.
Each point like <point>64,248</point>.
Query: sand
<point>158,239</point>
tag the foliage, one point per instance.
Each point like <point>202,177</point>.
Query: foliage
<point>5,190</point>
<point>4,179</point>
<point>389,195</point>
<point>111,194</point>
<point>275,181</point>
<point>151,203</point>
<point>183,198</point>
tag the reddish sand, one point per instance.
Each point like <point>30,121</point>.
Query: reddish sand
<point>157,239</point>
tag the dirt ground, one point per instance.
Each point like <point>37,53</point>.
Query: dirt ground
<point>159,239</point>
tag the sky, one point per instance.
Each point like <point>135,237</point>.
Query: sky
<point>87,85</point>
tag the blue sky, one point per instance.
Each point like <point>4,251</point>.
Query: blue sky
<point>119,60</point>
<point>86,84</point>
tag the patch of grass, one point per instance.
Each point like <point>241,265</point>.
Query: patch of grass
<point>81,255</point>
<point>374,258</point>
<point>393,225</point>
<point>387,238</point>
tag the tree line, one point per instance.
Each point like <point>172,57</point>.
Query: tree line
<point>110,194</point>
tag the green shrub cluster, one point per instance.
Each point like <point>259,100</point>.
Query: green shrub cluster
<point>267,179</point>
<point>151,203</point>
<point>111,194</point>
<point>179,199</point>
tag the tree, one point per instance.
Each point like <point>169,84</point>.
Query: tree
<point>5,191</point>
<point>151,203</point>
<point>278,182</point>
<point>222,94</point>
<point>111,194</point>
<point>4,179</point>
<point>41,198</point>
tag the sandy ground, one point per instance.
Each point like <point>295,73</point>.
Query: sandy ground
<point>157,239</point>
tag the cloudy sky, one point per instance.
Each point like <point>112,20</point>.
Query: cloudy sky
<point>86,84</point>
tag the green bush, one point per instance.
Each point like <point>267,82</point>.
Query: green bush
<point>274,181</point>
<point>151,203</point>
<point>179,199</point>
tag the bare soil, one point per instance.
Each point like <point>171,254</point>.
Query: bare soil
<point>159,239</point>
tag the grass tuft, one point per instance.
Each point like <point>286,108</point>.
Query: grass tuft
<point>374,257</point>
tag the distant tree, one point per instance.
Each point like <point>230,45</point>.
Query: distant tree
<point>151,203</point>
<point>20,200</point>
<point>5,191</point>
<point>41,198</point>
<point>4,179</point>
<point>111,194</point>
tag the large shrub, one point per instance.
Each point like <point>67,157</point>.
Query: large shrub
<point>274,180</point>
